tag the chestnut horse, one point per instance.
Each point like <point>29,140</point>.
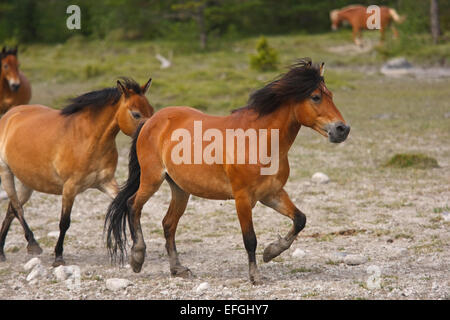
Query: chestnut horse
<point>66,152</point>
<point>298,98</point>
<point>14,87</point>
<point>358,16</point>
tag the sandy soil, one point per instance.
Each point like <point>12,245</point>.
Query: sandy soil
<point>395,218</point>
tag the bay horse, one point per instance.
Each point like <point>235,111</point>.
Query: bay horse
<point>64,152</point>
<point>297,98</point>
<point>14,86</point>
<point>357,16</point>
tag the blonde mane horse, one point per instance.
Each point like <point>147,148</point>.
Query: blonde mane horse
<point>357,16</point>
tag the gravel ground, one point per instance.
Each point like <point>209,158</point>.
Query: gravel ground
<point>372,232</point>
<point>402,245</point>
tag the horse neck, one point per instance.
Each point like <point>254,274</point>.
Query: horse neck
<point>102,125</point>
<point>282,119</point>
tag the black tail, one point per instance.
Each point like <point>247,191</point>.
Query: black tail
<point>119,212</point>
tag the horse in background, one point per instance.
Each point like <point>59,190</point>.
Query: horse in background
<point>64,152</point>
<point>14,87</point>
<point>357,16</point>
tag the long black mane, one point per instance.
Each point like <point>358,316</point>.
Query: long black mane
<point>99,98</point>
<point>295,85</point>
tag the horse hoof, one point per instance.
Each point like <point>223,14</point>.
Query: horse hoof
<point>34,249</point>
<point>272,251</point>
<point>136,266</point>
<point>2,258</point>
<point>137,260</point>
<point>58,262</point>
<point>181,272</point>
<point>257,280</point>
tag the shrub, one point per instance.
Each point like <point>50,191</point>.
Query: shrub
<point>420,161</point>
<point>266,57</point>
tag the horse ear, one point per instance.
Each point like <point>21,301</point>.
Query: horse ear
<point>322,69</point>
<point>146,86</point>
<point>3,50</point>
<point>122,89</point>
<point>15,50</point>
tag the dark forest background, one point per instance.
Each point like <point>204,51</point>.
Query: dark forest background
<point>44,21</point>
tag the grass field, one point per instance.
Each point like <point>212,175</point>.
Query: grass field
<point>393,216</point>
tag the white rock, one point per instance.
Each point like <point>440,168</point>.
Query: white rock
<point>202,287</point>
<point>31,264</point>
<point>62,273</point>
<point>320,177</point>
<point>38,272</point>
<point>298,253</point>
<point>355,259</point>
<point>53,234</point>
<point>3,195</point>
<point>446,216</point>
<point>115,284</point>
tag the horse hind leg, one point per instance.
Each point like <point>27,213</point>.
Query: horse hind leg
<point>282,204</point>
<point>176,209</point>
<point>15,209</point>
<point>151,180</point>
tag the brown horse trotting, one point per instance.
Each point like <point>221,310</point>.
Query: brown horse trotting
<point>14,86</point>
<point>279,109</point>
<point>357,16</point>
<point>66,152</point>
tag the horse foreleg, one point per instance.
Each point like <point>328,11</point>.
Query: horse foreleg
<point>282,204</point>
<point>395,32</point>
<point>244,212</point>
<point>176,209</point>
<point>69,193</point>
<point>110,188</point>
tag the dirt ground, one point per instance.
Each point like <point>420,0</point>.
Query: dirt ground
<point>396,219</point>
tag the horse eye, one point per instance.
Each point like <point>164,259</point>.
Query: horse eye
<point>136,115</point>
<point>6,67</point>
<point>316,98</point>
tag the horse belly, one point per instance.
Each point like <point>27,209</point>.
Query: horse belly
<point>205,181</point>
<point>39,179</point>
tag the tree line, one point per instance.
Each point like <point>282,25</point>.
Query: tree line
<point>44,21</point>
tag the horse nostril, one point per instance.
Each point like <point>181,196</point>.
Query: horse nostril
<point>341,128</point>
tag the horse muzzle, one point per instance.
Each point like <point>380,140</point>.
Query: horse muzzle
<point>337,131</point>
<point>14,86</point>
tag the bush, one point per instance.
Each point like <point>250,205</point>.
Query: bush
<point>266,57</point>
<point>419,161</point>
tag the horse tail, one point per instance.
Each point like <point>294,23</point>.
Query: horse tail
<point>119,211</point>
<point>395,16</point>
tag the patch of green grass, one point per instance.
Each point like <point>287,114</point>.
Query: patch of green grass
<point>304,270</point>
<point>441,209</point>
<point>13,249</point>
<point>332,262</point>
<point>413,160</point>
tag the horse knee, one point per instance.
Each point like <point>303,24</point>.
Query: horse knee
<point>299,221</point>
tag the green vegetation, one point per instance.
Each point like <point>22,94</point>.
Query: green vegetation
<point>266,57</point>
<point>419,161</point>
<point>195,21</point>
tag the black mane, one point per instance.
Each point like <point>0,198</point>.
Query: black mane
<point>99,98</point>
<point>294,86</point>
